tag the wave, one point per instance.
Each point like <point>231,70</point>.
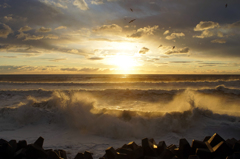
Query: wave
<point>123,113</point>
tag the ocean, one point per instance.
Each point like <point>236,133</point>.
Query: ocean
<point>93,112</point>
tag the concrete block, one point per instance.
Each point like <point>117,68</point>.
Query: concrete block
<point>198,144</point>
<point>39,142</point>
<point>215,139</point>
<point>204,153</point>
<point>148,147</point>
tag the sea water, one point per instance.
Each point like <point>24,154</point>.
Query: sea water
<point>93,112</point>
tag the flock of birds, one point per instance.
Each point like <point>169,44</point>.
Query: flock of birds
<point>160,45</point>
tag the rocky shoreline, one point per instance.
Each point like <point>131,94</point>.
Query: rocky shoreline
<point>212,147</point>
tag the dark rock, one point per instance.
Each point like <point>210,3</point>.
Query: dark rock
<point>206,138</point>
<point>236,147</point>
<point>79,156</point>
<point>198,144</point>
<point>20,154</point>
<point>215,139</point>
<point>13,143</point>
<point>132,145</point>
<point>111,153</point>
<point>6,150</point>
<point>161,147</point>
<point>52,155</point>
<point>193,157</point>
<point>2,141</point>
<point>33,151</point>
<point>63,153</point>
<point>222,150</point>
<point>21,144</point>
<point>39,142</point>
<point>204,153</point>
<point>88,155</point>
<point>167,154</point>
<point>184,149</point>
<point>148,147</point>
<point>231,142</point>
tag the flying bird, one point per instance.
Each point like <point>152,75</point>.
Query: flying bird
<point>131,9</point>
<point>173,47</point>
<point>159,46</point>
<point>132,20</point>
<point>226,6</point>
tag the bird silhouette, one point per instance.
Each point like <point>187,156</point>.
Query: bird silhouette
<point>131,9</point>
<point>226,5</point>
<point>173,47</point>
<point>159,46</point>
<point>132,20</point>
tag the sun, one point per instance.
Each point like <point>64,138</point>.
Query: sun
<point>124,62</point>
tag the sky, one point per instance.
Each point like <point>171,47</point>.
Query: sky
<point>119,37</point>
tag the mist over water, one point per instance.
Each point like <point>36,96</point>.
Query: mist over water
<point>121,110</point>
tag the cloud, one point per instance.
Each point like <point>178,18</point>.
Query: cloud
<point>235,25</point>
<point>57,60</point>
<point>180,61</point>
<point>220,34</point>
<point>5,30</point>
<point>166,32</point>
<point>97,2</point>
<point>5,5</point>
<point>205,25</point>
<point>145,30</point>
<point>81,4</point>
<point>60,27</point>
<point>174,35</point>
<point>25,28</point>
<point>95,58</point>
<point>43,29</point>
<point>7,18</point>
<point>108,28</point>
<point>57,4</point>
<point>33,37</point>
<point>205,34</point>
<point>51,36</point>
<point>220,41</point>
<point>184,50</point>
<point>143,50</point>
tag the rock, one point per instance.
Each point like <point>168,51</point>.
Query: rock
<point>236,147</point>
<point>52,154</point>
<point>206,138</point>
<point>13,143</point>
<point>167,154</point>
<point>193,157</point>
<point>215,139</point>
<point>235,155</point>
<point>148,147</point>
<point>33,151</point>
<point>111,153</point>
<point>184,149</point>
<point>198,144</point>
<point>204,153</point>
<point>161,147</point>
<point>21,144</point>
<point>2,141</point>
<point>79,156</point>
<point>132,145</point>
<point>20,154</point>
<point>39,142</point>
<point>63,153</point>
<point>231,142</point>
<point>6,150</point>
<point>88,155</point>
<point>222,150</point>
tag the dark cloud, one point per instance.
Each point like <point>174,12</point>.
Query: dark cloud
<point>5,30</point>
<point>220,41</point>
<point>95,58</point>
<point>143,50</point>
<point>180,51</point>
